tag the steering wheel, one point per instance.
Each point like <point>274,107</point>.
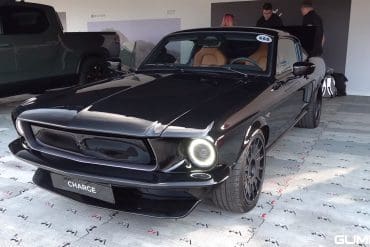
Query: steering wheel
<point>245,59</point>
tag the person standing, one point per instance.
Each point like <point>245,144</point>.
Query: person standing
<point>269,19</point>
<point>311,18</point>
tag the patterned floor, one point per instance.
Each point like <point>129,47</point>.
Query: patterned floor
<point>317,186</point>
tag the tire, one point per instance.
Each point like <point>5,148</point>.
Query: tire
<point>92,69</point>
<point>240,192</point>
<point>312,119</point>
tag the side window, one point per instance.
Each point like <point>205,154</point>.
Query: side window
<point>286,56</point>
<point>175,52</point>
<point>304,55</point>
<point>23,20</point>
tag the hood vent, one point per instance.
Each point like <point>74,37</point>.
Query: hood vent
<point>112,149</point>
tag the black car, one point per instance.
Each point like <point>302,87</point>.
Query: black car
<point>194,122</point>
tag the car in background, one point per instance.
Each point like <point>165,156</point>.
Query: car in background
<point>193,123</point>
<point>36,54</point>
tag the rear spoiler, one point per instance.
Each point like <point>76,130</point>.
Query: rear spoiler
<point>305,34</point>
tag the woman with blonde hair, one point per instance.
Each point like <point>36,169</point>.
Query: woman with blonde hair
<point>228,20</point>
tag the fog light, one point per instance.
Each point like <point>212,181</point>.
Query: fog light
<point>18,126</point>
<point>202,153</point>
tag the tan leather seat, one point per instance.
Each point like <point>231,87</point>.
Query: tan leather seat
<point>209,57</point>
<point>260,56</point>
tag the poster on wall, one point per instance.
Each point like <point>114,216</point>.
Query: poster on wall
<point>138,37</point>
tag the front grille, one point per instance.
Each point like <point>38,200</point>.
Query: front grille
<point>112,149</point>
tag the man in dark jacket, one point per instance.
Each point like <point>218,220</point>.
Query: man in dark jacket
<point>311,18</point>
<point>268,18</point>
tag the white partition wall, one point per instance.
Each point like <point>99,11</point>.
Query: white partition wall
<point>197,13</point>
<point>358,54</point>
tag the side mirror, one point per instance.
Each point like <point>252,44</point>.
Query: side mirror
<point>303,68</point>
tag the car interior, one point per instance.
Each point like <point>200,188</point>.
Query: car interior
<point>209,56</point>
<point>260,56</point>
<point>217,53</point>
<point>213,52</point>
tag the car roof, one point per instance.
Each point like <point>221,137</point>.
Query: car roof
<point>273,32</point>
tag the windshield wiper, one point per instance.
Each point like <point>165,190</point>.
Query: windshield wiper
<point>173,66</point>
<point>159,66</point>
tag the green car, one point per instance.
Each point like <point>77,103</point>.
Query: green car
<point>36,54</point>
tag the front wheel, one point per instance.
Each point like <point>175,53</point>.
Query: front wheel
<point>240,192</point>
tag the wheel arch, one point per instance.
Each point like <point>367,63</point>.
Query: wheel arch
<point>231,194</point>
<point>245,132</point>
<point>259,124</point>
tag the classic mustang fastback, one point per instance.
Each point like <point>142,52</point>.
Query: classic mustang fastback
<point>192,123</point>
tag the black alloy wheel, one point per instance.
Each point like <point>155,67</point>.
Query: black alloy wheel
<point>241,191</point>
<point>93,69</point>
<point>254,169</point>
<point>95,73</point>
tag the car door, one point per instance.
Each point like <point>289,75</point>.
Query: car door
<point>287,89</point>
<point>36,45</point>
<point>8,66</point>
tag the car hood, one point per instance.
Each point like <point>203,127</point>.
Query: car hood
<point>138,105</point>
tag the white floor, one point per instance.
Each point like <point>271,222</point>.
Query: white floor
<point>317,186</point>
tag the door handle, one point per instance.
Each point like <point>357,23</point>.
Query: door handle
<point>4,45</point>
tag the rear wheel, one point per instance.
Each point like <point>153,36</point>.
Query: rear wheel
<point>312,119</point>
<point>93,69</point>
<point>240,192</point>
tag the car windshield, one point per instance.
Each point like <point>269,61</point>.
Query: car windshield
<point>242,52</point>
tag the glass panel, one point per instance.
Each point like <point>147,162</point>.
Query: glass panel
<point>247,52</point>
<point>287,56</point>
<point>179,51</point>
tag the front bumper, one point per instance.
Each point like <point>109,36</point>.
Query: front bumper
<point>157,194</point>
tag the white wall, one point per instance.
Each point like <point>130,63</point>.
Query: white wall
<point>197,13</point>
<point>358,54</point>
<point>193,13</point>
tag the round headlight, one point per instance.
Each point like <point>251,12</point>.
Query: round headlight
<point>18,126</point>
<point>202,153</point>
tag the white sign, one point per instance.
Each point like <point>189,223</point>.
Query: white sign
<point>264,38</point>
